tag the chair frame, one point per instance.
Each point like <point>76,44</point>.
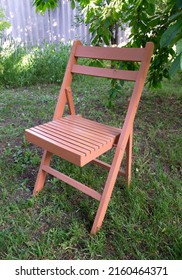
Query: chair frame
<point>124,143</point>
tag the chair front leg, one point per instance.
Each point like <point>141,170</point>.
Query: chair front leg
<point>41,176</point>
<point>105,198</point>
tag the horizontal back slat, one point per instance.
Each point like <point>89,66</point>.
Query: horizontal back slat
<point>108,53</point>
<point>105,72</point>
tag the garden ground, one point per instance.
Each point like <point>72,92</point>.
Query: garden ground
<point>143,222</point>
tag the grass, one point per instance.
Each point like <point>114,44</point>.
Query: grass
<point>143,222</point>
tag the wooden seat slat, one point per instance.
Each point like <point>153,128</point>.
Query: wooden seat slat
<point>86,138</point>
<point>62,133</point>
<point>85,132</point>
<point>88,122</point>
<point>63,139</point>
<point>61,142</point>
<point>54,147</point>
<point>96,128</point>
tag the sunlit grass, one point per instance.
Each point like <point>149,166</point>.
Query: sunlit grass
<point>22,66</point>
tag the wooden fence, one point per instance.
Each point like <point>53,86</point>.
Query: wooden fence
<point>30,27</point>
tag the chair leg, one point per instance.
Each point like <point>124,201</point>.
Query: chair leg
<point>41,176</point>
<point>128,159</point>
<point>105,198</point>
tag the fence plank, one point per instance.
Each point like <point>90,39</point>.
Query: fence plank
<point>31,28</point>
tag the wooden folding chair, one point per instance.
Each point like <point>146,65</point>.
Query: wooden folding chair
<point>80,140</point>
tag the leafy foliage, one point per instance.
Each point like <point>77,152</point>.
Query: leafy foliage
<point>104,19</point>
<point>24,66</point>
<point>3,23</point>
<point>43,5</point>
<point>173,36</point>
<point>158,21</point>
<point>164,28</point>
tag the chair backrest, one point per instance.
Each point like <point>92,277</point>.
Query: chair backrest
<point>142,55</point>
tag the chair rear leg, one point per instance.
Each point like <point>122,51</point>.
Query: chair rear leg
<point>41,176</point>
<point>129,159</point>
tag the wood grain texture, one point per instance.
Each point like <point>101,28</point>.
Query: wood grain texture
<point>108,53</point>
<point>104,72</point>
<point>74,138</point>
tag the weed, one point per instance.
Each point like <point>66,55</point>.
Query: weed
<point>24,66</point>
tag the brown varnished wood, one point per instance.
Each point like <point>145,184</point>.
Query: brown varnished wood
<point>81,187</point>
<point>62,98</point>
<point>79,140</point>
<point>105,73</point>
<point>74,138</point>
<point>70,101</point>
<point>108,53</point>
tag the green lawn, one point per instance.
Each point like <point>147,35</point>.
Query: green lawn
<point>143,222</point>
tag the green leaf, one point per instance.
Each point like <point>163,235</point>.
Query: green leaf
<point>106,40</point>
<point>179,47</point>
<point>150,9</point>
<point>175,16</point>
<point>179,4</point>
<point>107,22</point>
<point>154,21</point>
<point>95,63</point>
<point>73,5</point>
<point>176,65</point>
<point>43,5</point>
<point>171,32</point>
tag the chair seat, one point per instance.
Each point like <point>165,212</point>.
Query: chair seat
<point>74,138</point>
